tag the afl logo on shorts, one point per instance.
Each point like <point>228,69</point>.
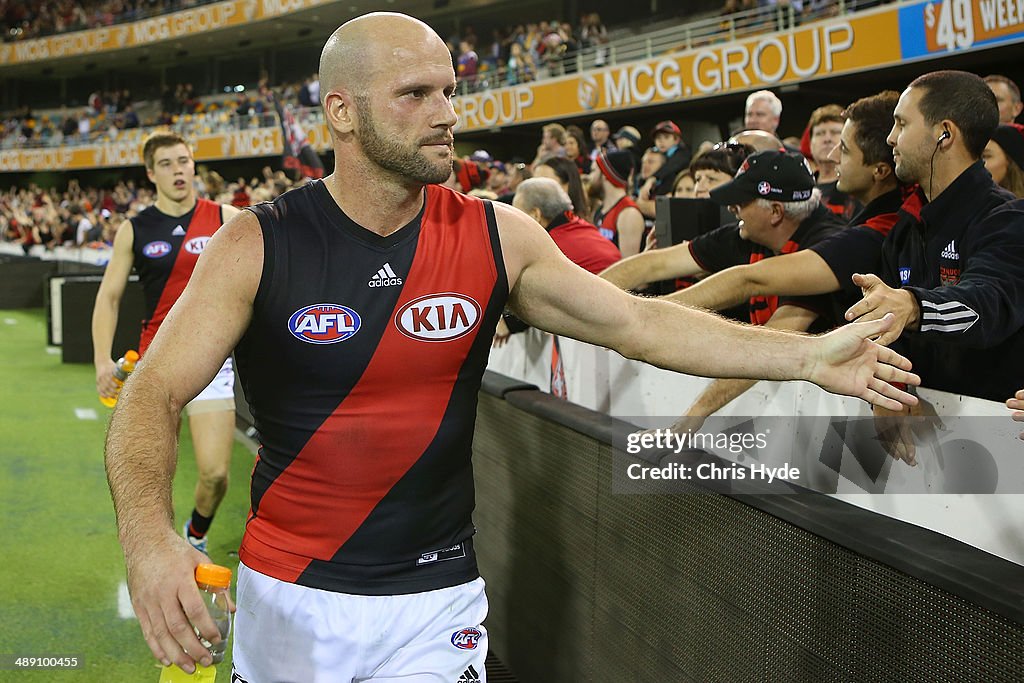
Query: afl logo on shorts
<point>156,249</point>
<point>324,323</point>
<point>438,317</point>
<point>196,245</point>
<point>467,638</point>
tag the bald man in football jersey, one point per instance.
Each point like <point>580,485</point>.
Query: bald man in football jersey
<point>360,308</point>
<point>162,244</point>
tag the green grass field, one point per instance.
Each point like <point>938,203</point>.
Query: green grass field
<point>61,573</point>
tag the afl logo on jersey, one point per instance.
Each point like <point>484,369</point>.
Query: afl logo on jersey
<point>156,249</point>
<point>324,323</point>
<point>467,638</point>
<point>438,317</point>
<point>196,245</point>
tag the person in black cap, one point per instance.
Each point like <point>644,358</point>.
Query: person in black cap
<point>779,211</point>
<point>867,173</point>
<point>616,214</point>
<point>1004,157</point>
<point>669,140</point>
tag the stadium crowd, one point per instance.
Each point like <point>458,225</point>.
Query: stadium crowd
<point>21,20</point>
<point>509,55</point>
<point>43,219</point>
<point>609,185</point>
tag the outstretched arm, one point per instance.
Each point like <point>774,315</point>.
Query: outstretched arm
<point>198,334</point>
<point>802,273</point>
<point>722,391</point>
<point>549,293</point>
<point>652,266</point>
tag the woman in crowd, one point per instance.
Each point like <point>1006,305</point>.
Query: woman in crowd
<point>717,166</point>
<point>1004,157</point>
<point>576,149</point>
<point>683,185</point>
<point>567,174</point>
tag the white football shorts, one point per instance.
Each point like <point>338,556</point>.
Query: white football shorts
<point>290,633</point>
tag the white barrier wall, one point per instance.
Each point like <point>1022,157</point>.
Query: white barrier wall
<point>925,495</point>
<point>96,256</point>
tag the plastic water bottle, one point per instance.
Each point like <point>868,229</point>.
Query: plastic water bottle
<point>124,368</point>
<point>213,582</point>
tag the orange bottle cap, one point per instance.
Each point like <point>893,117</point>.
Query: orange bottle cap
<point>131,355</point>
<point>213,575</point>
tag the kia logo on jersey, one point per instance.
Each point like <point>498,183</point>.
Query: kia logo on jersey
<point>156,249</point>
<point>324,323</point>
<point>196,245</point>
<point>467,638</point>
<point>438,317</point>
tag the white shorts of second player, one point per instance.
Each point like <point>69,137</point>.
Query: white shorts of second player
<point>287,632</point>
<point>218,395</point>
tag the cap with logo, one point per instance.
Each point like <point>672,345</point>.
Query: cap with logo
<point>775,176</point>
<point>667,127</point>
<point>615,166</point>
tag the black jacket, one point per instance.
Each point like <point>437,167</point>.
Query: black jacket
<point>962,257</point>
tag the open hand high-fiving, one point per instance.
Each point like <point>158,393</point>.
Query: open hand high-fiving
<point>848,362</point>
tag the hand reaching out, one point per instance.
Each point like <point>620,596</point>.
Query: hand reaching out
<point>1017,405</point>
<point>848,362</point>
<point>880,299</point>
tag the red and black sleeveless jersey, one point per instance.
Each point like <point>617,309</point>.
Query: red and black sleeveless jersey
<point>361,366</point>
<point>607,222</point>
<point>166,250</point>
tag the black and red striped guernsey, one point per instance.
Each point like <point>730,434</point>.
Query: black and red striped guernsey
<point>361,366</point>
<point>166,249</point>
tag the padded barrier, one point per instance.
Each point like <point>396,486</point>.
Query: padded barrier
<point>586,584</point>
<point>23,278</point>
<point>499,385</point>
<point>78,296</point>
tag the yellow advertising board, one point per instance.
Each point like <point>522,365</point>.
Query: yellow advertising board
<point>165,27</point>
<point>819,50</point>
<point>861,41</point>
<point>242,144</point>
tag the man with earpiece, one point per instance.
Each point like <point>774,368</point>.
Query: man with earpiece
<point>953,265</point>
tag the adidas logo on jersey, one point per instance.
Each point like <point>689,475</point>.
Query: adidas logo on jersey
<point>178,231</point>
<point>469,676</point>
<point>385,277</point>
<point>950,252</point>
